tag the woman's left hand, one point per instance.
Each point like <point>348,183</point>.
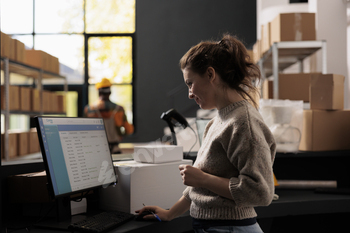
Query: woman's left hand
<point>192,176</point>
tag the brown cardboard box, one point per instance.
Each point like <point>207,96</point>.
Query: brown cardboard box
<point>265,37</point>
<point>12,54</point>
<point>19,51</point>
<point>293,27</point>
<point>33,142</point>
<point>55,65</point>
<point>61,103</point>
<point>28,188</point>
<point>35,100</point>
<point>13,149</point>
<point>36,58</point>
<point>25,99</point>
<point>267,89</point>
<point>327,92</point>
<point>5,45</point>
<point>12,142</point>
<point>291,86</point>
<point>295,86</point>
<point>48,66</point>
<point>46,101</point>
<point>22,143</point>
<point>14,100</point>
<point>54,102</point>
<point>325,130</point>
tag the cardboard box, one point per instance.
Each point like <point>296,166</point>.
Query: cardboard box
<point>14,98</point>
<point>265,37</point>
<point>25,95</point>
<point>291,86</point>
<point>28,188</point>
<point>19,51</point>
<point>33,141</point>
<point>35,100</point>
<point>325,130</point>
<point>36,58</point>
<point>158,153</point>
<point>12,143</point>
<point>295,86</point>
<point>61,103</point>
<point>46,101</point>
<point>22,143</point>
<point>55,65</point>
<point>293,27</point>
<point>267,89</point>
<point>138,183</point>
<point>327,92</point>
<point>5,45</point>
<point>13,148</point>
<point>12,54</point>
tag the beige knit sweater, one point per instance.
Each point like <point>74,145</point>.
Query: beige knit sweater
<point>239,146</point>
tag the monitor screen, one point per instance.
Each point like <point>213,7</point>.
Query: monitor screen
<point>76,154</point>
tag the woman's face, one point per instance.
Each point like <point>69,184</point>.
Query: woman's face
<point>200,88</point>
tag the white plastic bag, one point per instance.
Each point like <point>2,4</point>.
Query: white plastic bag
<point>285,120</point>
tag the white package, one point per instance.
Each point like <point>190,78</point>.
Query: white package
<point>158,153</point>
<point>144,183</point>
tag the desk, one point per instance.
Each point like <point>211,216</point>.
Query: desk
<point>288,211</point>
<point>290,203</point>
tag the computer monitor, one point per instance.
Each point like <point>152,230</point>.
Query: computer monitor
<point>76,154</point>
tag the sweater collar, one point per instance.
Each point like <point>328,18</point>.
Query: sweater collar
<point>224,111</point>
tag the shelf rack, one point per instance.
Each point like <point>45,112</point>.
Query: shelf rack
<point>9,66</point>
<point>282,55</point>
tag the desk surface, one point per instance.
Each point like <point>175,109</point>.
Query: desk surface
<point>291,202</point>
<point>303,202</point>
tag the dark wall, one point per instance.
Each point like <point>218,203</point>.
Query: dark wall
<point>165,30</point>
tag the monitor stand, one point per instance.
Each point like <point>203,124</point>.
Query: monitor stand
<point>62,217</point>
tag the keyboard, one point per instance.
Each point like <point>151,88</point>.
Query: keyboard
<point>101,222</point>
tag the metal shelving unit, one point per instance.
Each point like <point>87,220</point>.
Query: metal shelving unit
<point>282,55</point>
<point>9,66</point>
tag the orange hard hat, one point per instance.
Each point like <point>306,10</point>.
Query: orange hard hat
<point>104,83</point>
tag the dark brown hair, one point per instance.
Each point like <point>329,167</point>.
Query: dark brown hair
<point>230,59</point>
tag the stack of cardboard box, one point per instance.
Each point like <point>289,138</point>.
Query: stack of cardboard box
<point>15,51</point>
<point>42,60</point>
<point>326,125</point>
<point>27,99</point>
<point>21,143</point>
<point>285,27</point>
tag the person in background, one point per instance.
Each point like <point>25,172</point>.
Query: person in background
<point>115,120</point>
<point>233,170</point>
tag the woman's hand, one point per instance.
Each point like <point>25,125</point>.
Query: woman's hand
<point>160,212</point>
<point>195,177</point>
<point>192,176</point>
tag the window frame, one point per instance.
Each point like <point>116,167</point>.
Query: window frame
<point>82,89</point>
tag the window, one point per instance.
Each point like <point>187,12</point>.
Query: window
<point>92,39</point>
<point>111,57</point>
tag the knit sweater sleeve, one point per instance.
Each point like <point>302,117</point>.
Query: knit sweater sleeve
<point>251,149</point>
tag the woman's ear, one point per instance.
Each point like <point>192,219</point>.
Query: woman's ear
<point>211,73</point>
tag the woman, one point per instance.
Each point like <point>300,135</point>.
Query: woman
<point>233,170</point>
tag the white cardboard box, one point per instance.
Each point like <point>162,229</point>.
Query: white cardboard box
<point>144,183</point>
<point>158,153</point>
